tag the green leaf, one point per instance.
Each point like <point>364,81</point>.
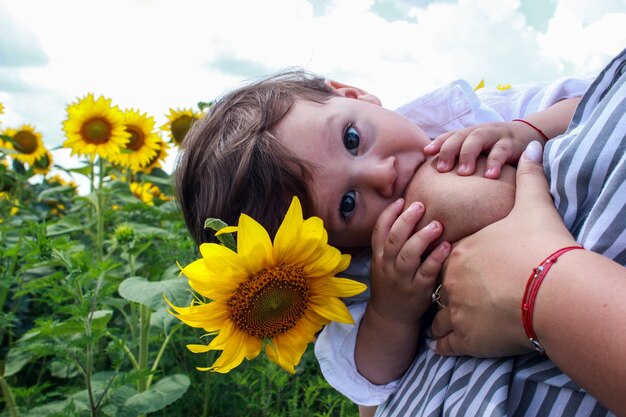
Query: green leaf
<point>85,170</point>
<point>227,239</point>
<point>67,224</point>
<point>16,359</point>
<point>160,395</point>
<point>150,293</point>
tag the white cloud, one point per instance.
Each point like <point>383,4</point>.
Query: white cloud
<point>157,54</point>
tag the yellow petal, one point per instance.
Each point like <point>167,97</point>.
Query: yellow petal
<point>325,264</point>
<point>331,308</point>
<point>226,229</point>
<point>337,287</point>
<point>198,348</point>
<point>253,245</point>
<point>232,355</point>
<point>288,234</point>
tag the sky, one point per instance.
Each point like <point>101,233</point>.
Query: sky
<point>153,55</point>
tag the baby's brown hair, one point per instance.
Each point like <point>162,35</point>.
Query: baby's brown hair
<point>230,162</point>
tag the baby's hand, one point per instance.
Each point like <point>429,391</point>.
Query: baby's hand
<point>505,142</point>
<point>401,283</point>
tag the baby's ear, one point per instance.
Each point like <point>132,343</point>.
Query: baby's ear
<point>345,90</point>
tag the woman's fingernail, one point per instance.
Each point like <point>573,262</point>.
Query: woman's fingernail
<point>533,151</point>
<point>432,345</point>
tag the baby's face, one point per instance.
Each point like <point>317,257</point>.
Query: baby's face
<point>365,157</point>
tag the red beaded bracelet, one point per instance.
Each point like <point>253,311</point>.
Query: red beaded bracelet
<point>530,294</point>
<point>543,135</point>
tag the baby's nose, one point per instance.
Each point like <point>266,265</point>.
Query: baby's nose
<point>382,176</point>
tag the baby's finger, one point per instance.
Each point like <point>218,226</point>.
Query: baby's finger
<point>429,270</point>
<point>449,151</point>
<point>502,152</point>
<point>383,225</point>
<point>433,147</point>
<point>401,230</point>
<point>409,256</point>
<point>471,149</point>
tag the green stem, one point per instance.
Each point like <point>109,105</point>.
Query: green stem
<point>144,337</point>
<point>155,365</point>
<point>99,211</point>
<point>9,399</point>
<point>126,350</point>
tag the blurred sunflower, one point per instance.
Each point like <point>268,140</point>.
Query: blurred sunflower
<point>58,180</point>
<point>179,122</point>
<point>43,164</point>
<point>28,144</point>
<point>281,293</point>
<point>155,161</point>
<point>145,191</point>
<point>6,133</point>
<point>94,127</point>
<point>143,143</point>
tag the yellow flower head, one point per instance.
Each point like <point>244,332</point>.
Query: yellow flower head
<point>8,132</point>
<point>143,144</point>
<point>28,144</point>
<point>281,293</point>
<point>179,122</point>
<point>58,180</point>
<point>44,164</point>
<point>145,191</point>
<point>158,158</point>
<point>94,127</point>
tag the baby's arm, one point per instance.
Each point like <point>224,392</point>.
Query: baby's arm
<point>505,141</point>
<point>402,285</point>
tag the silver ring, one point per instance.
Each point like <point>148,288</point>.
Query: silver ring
<point>436,297</point>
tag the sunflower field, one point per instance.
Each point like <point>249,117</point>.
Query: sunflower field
<point>85,329</point>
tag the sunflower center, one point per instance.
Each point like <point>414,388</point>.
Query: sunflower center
<point>96,131</point>
<point>271,302</point>
<point>25,142</point>
<point>180,127</point>
<point>137,138</point>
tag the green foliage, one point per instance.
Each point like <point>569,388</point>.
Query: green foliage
<point>84,327</point>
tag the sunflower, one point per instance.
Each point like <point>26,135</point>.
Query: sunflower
<point>179,122</point>
<point>281,293</point>
<point>143,144</point>
<point>94,127</point>
<point>145,191</point>
<point>58,180</point>
<point>155,161</point>
<point>28,144</point>
<point>42,165</point>
<point>6,134</point>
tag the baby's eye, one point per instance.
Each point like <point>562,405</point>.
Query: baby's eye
<point>351,140</point>
<point>348,204</point>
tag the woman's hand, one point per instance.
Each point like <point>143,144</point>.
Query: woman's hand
<point>486,273</point>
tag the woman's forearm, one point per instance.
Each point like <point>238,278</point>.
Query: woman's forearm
<point>580,319</point>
